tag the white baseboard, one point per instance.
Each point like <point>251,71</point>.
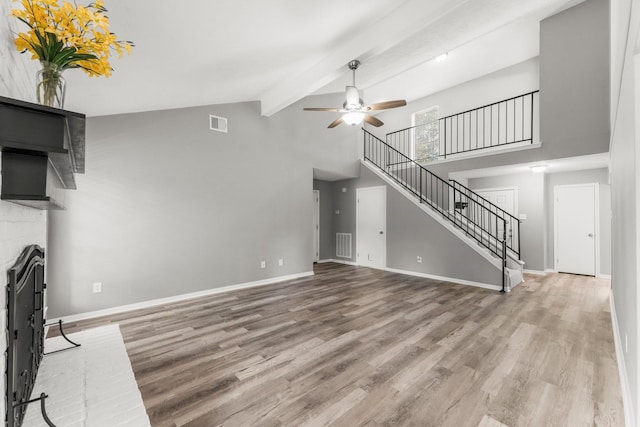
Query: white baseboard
<point>550,270</point>
<point>338,261</point>
<point>629,418</point>
<point>446,279</point>
<point>536,272</point>
<point>604,276</point>
<point>178,298</point>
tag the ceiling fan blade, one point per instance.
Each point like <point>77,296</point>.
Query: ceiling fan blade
<point>388,104</point>
<point>336,122</point>
<point>322,109</point>
<point>373,121</point>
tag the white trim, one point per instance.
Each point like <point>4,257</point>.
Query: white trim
<point>550,270</point>
<point>596,213</point>
<point>604,276</point>
<point>445,279</point>
<point>489,151</point>
<point>536,272</point>
<point>178,298</point>
<point>316,207</point>
<point>627,401</point>
<point>384,196</point>
<point>437,217</point>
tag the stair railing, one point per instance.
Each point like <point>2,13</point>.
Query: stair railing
<point>498,124</point>
<point>476,220</point>
<point>512,223</point>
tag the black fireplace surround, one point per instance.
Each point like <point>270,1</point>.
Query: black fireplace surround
<point>25,331</point>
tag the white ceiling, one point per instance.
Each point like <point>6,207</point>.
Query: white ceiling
<point>277,52</point>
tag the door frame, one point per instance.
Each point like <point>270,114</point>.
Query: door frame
<point>596,219</point>
<point>316,207</point>
<point>384,196</point>
<point>515,195</point>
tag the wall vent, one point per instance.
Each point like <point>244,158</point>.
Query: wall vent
<point>343,245</point>
<point>217,123</point>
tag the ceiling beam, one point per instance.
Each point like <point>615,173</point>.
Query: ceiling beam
<point>404,21</point>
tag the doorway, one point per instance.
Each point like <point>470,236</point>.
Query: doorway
<point>576,233</point>
<point>316,226</point>
<point>371,227</point>
<point>506,199</point>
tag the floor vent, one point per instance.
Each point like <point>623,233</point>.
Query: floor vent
<point>343,245</point>
<point>217,123</point>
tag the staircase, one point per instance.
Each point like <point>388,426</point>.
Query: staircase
<point>482,222</point>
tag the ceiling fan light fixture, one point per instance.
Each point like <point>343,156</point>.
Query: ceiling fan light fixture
<point>353,118</point>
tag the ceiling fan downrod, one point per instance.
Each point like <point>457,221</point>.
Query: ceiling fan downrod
<point>353,66</point>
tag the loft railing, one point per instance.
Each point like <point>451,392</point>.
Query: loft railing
<point>499,124</point>
<point>474,218</point>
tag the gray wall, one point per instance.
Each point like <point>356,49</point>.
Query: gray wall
<point>511,81</point>
<point>168,207</point>
<point>625,191</point>
<point>574,88</point>
<point>574,80</point>
<point>599,176</point>
<point>411,232</point>
<point>530,202</point>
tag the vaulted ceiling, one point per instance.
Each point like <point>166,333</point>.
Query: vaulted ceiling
<point>277,52</point>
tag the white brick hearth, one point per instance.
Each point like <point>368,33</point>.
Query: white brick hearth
<point>89,386</point>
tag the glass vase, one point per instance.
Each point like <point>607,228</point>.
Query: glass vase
<point>50,85</point>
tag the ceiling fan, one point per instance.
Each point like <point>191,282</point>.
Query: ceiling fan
<point>354,109</point>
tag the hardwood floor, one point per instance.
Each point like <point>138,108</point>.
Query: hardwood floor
<point>352,346</point>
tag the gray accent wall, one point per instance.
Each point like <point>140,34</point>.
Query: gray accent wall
<point>574,80</point>
<point>411,233</point>
<point>599,176</point>
<point>169,207</point>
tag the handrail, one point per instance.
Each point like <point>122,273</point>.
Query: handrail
<point>474,129</point>
<point>476,220</point>
<point>512,221</point>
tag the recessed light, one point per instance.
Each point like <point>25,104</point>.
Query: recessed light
<point>538,168</point>
<point>442,57</point>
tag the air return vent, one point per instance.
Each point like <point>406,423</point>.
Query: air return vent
<point>217,123</point>
<point>343,245</point>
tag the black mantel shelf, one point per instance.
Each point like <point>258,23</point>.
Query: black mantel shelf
<point>29,133</point>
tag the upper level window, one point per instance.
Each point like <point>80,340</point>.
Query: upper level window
<point>426,136</point>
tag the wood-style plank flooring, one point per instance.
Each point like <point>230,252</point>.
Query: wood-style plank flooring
<point>353,346</point>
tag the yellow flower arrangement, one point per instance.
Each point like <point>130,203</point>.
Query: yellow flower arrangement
<point>69,35</point>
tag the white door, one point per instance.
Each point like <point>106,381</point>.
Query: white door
<point>575,212</point>
<point>316,226</point>
<point>505,199</point>
<point>371,227</point>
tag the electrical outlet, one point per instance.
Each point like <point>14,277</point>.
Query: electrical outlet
<point>418,259</point>
<point>280,262</point>
<point>263,264</point>
<point>97,287</point>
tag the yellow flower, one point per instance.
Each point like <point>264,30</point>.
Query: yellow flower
<point>69,35</point>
